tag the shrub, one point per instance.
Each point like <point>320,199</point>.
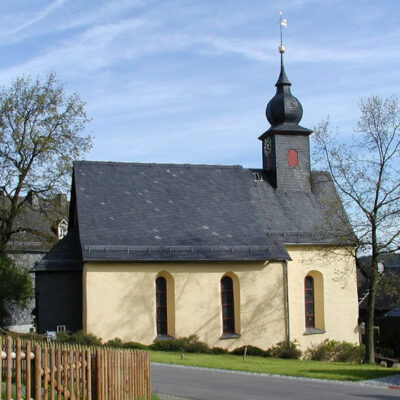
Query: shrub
<point>15,289</point>
<point>28,336</point>
<point>332,350</point>
<point>116,342</point>
<point>135,345</point>
<point>219,350</point>
<point>285,349</point>
<point>189,344</point>
<point>63,337</point>
<point>79,337</point>
<point>251,351</point>
<point>192,344</point>
<point>167,345</point>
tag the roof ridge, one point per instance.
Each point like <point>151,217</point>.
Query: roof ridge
<point>163,165</point>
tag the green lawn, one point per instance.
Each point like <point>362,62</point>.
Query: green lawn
<point>276,366</point>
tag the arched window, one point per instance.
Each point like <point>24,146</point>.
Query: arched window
<point>228,309</point>
<point>309,301</point>
<point>161,301</point>
<point>293,158</point>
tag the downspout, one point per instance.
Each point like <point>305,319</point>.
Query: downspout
<point>286,294</point>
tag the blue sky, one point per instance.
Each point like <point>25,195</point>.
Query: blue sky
<point>188,81</point>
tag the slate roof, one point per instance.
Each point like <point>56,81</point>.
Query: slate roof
<point>164,212</point>
<point>43,218</point>
<point>66,255</point>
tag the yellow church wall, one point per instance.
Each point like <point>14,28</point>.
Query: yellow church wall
<point>335,292</point>
<point>119,301</point>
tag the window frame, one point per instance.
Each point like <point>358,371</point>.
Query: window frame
<point>227,308</point>
<point>159,321</point>
<point>309,316</point>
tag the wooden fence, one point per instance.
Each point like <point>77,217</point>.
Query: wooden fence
<point>52,371</point>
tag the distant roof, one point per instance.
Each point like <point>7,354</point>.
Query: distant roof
<point>395,312</point>
<point>150,212</point>
<point>42,216</point>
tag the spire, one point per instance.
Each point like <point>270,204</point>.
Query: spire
<point>284,111</point>
<point>283,79</point>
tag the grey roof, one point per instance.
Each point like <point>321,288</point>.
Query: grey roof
<point>395,312</point>
<point>66,255</point>
<point>164,212</point>
<point>42,217</point>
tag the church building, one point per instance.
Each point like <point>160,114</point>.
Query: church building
<point>237,256</point>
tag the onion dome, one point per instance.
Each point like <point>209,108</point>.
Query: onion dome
<point>284,111</point>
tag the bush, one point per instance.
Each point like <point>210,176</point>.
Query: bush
<point>135,345</point>
<point>219,350</point>
<point>28,336</point>
<point>15,289</point>
<point>79,337</point>
<point>189,344</point>
<point>167,345</point>
<point>285,349</point>
<point>116,342</point>
<point>192,344</point>
<point>332,350</point>
<point>63,337</point>
<point>251,351</point>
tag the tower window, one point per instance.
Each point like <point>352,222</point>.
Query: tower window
<point>293,158</point>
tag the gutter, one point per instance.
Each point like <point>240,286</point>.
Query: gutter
<point>286,299</point>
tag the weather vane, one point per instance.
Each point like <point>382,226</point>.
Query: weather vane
<point>282,24</point>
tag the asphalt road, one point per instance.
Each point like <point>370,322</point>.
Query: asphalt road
<point>207,384</point>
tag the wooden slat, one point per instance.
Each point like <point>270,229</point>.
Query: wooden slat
<point>131,377</point>
<point>45,373</point>
<point>77,372</point>
<point>64,362</point>
<point>148,374</point>
<point>89,374</point>
<point>1,366</point>
<point>104,375</point>
<point>8,368</point>
<point>98,374</point>
<point>38,372</point>
<point>58,372</point>
<point>52,372</point>
<point>83,362</point>
<point>118,373</point>
<point>71,373</point>
<point>18,365</point>
<point>28,377</point>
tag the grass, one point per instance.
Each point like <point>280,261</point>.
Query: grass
<point>276,366</point>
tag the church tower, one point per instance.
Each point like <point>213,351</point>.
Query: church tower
<point>286,145</point>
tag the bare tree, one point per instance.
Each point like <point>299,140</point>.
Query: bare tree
<point>367,176</point>
<point>39,138</point>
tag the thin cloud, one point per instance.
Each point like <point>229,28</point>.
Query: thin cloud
<point>10,34</point>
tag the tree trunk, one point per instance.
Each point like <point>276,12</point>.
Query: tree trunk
<point>369,326</point>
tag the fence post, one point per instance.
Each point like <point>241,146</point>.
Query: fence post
<point>38,372</point>
<point>1,365</point>
<point>94,375</point>
<point>8,368</point>
<point>33,372</point>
